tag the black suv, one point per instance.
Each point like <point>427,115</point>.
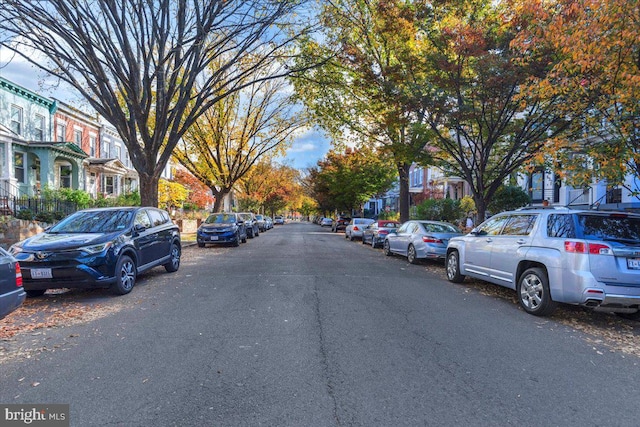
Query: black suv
<point>340,223</point>
<point>105,247</point>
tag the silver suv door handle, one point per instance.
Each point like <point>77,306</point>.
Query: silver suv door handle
<point>489,239</point>
<point>521,241</point>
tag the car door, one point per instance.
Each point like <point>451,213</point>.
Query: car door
<point>402,237</point>
<point>144,237</point>
<point>477,247</point>
<point>162,234</point>
<point>516,234</point>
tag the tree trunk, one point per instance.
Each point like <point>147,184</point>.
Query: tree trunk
<point>148,190</point>
<point>219,196</point>
<point>403,173</point>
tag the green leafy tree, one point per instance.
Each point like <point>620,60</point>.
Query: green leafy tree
<point>368,88</point>
<point>346,180</point>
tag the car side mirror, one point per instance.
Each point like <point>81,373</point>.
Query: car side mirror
<point>139,228</point>
<point>240,222</point>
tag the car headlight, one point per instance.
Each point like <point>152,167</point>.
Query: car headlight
<point>16,248</point>
<point>95,249</point>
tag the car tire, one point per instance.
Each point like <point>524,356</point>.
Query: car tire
<point>373,242</point>
<point>386,248</point>
<point>35,293</point>
<point>257,233</point>
<point>533,292</point>
<point>452,267</point>
<point>412,257</point>
<point>174,263</point>
<point>125,276</point>
<point>200,245</point>
<point>249,234</point>
<point>363,242</point>
<point>236,242</point>
<point>244,239</point>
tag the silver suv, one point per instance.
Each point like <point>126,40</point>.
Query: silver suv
<point>555,255</point>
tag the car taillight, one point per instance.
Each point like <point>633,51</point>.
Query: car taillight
<point>355,228</point>
<point>430,239</point>
<point>590,248</point>
<point>18,275</point>
<point>383,232</point>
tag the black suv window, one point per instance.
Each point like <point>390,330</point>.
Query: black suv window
<point>143,219</point>
<point>156,217</point>
<point>519,225</point>
<point>559,225</point>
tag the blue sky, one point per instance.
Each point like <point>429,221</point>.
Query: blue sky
<point>305,151</point>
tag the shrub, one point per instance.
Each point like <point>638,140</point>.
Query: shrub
<point>507,198</point>
<point>25,214</point>
<point>439,210</point>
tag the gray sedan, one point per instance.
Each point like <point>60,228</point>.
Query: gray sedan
<point>420,239</point>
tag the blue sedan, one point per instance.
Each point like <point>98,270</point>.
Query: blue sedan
<point>420,239</point>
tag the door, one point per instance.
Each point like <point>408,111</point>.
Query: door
<point>477,247</point>
<point>145,240</point>
<point>515,235</point>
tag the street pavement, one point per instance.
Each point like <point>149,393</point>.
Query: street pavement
<point>300,327</point>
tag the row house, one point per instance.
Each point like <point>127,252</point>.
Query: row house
<point>433,183</point>
<point>47,143</point>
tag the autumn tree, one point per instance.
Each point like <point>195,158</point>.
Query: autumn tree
<point>171,194</point>
<point>366,92</point>
<point>344,181</point>
<point>199,194</point>
<point>485,126</point>
<point>138,63</point>
<point>597,43</point>
<point>270,188</point>
<point>230,137</point>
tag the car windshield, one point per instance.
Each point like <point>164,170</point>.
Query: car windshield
<point>614,227</point>
<point>259,217</point>
<point>220,219</point>
<point>106,221</point>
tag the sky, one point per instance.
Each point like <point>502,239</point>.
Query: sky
<point>305,150</point>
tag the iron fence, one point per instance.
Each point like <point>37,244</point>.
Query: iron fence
<point>47,210</point>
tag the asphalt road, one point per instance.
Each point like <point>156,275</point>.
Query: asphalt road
<point>300,327</point>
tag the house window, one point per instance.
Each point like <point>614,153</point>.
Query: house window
<point>117,153</point>
<point>16,119</point>
<point>61,132</point>
<point>77,137</point>
<point>92,146</point>
<point>39,128</point>
<point>614,195</point>
<point>18,164</point>
<point>108,184</point>
<point>65,176</point>
<point>105,150</point>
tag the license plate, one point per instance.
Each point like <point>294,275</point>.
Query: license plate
<point>213,237</point>
<point>633,263</point>
<point>41,273</point>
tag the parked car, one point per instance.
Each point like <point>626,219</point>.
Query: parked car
<point>12,293</point>
<point>268,222</point>
<point>420,239</point>
<point>326,222</point>
<point>278,220</point>
<point>250,223</point>
<point>340,223</point>
<point>356,227</point>
<point>103,247</point>
<point>550,256</point>
<point>262,222</point>
<point>222,228</point>
<point>377,231</point>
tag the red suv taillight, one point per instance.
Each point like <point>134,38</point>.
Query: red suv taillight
<point>18,275</point>
<point>430,239</point>
<point>355,228</point>
<point>590,248</point>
